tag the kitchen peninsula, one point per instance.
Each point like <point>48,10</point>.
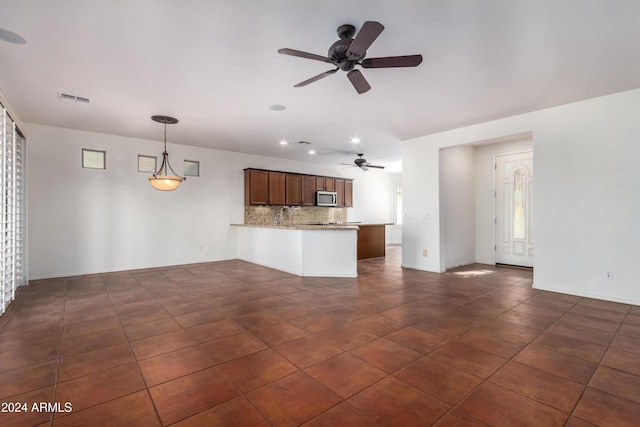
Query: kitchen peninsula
<point>285,229</point>
<point>304,250</point>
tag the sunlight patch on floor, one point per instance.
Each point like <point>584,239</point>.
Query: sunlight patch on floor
<point>473,273</point>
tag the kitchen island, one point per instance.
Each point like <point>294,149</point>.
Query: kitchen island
<point>304,250</point>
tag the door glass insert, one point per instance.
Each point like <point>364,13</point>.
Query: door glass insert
<point>519,180</point>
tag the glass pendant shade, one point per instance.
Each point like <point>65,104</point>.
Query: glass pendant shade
<point>165,183</point>
<point>161,180</point>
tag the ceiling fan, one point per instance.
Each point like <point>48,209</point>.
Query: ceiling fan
<point>348,52</point>
<point>362,163</point>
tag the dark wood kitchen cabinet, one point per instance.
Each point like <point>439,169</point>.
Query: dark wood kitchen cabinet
<point>293,189</point>
<point>264,187</point>
<point>277,188</point>
<point>308,190</point>
<point>371,241</point>
<point>329,184</point>
<point>348,193</point>
<point>340,190</point>
<point>325,183</point>
<point>256,187</point>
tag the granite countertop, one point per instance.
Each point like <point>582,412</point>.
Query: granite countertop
<point>345,226</point>
<point>317,226</point>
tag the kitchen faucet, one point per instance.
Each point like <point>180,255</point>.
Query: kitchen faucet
<point>280,217</point>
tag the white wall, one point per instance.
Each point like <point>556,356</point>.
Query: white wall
<point>586,194</point>
<point>84,221</point>
<point>371,200</point>
<point>485,187</point>
<point>421,206</point>
<point>457,206</point>
<point>394,232</point>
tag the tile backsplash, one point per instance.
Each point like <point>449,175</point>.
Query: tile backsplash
<point>266,215</point>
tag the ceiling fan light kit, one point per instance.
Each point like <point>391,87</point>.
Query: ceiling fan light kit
<point>348,52</point>
<point>161,180</point>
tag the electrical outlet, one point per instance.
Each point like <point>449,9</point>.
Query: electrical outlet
<point>608,275</point>
<point>424,252</point>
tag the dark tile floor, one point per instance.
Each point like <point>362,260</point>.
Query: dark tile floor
<point>232,343</point>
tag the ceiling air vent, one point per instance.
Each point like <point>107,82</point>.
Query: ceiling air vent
<point>73,98</point>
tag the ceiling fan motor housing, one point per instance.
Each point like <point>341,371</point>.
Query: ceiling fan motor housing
<point>338,55</point>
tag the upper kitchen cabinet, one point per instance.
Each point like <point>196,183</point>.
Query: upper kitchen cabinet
<point>340,190</point>
<point>264,187</point>
<point>348,193</point>
<point>325,183</point>
<point>277,188</point>
<point>329,184</point>
<point>256,187</point>
<point>293,189</point>
<point>344,189</point>
<point>309,190</point>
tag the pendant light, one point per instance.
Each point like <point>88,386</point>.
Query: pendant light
<point>161,180</point>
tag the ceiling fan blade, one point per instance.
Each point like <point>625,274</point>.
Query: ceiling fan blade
<point>316,78</point>
<point>375,166</point>
<point>358,81</point>
<point>368,33</point>
<point>301,54</point>
<point>392,61</point>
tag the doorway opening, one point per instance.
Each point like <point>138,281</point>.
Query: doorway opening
<point>514,209</point>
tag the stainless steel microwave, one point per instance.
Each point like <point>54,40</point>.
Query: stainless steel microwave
<point>326,198</point>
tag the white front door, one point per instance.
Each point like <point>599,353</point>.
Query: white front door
<point>514,209</point>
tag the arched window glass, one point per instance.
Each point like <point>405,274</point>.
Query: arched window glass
<point>519,220</point>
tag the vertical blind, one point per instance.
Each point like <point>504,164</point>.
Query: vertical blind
<point>13,230</point>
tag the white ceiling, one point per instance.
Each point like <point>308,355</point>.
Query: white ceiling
<point>213,64</point>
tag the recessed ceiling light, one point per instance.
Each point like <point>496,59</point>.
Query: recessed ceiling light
<point>277,107</point>
<point>312,151</point>
<point>283,142</point>
<point>11,37</point>
<point>355,139</point>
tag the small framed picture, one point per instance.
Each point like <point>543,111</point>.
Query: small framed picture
<point>191,168</point>
<point>147,164</point>
<point>93,159</point>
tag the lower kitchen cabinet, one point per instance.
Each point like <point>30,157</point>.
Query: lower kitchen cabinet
<point>371,241</point>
